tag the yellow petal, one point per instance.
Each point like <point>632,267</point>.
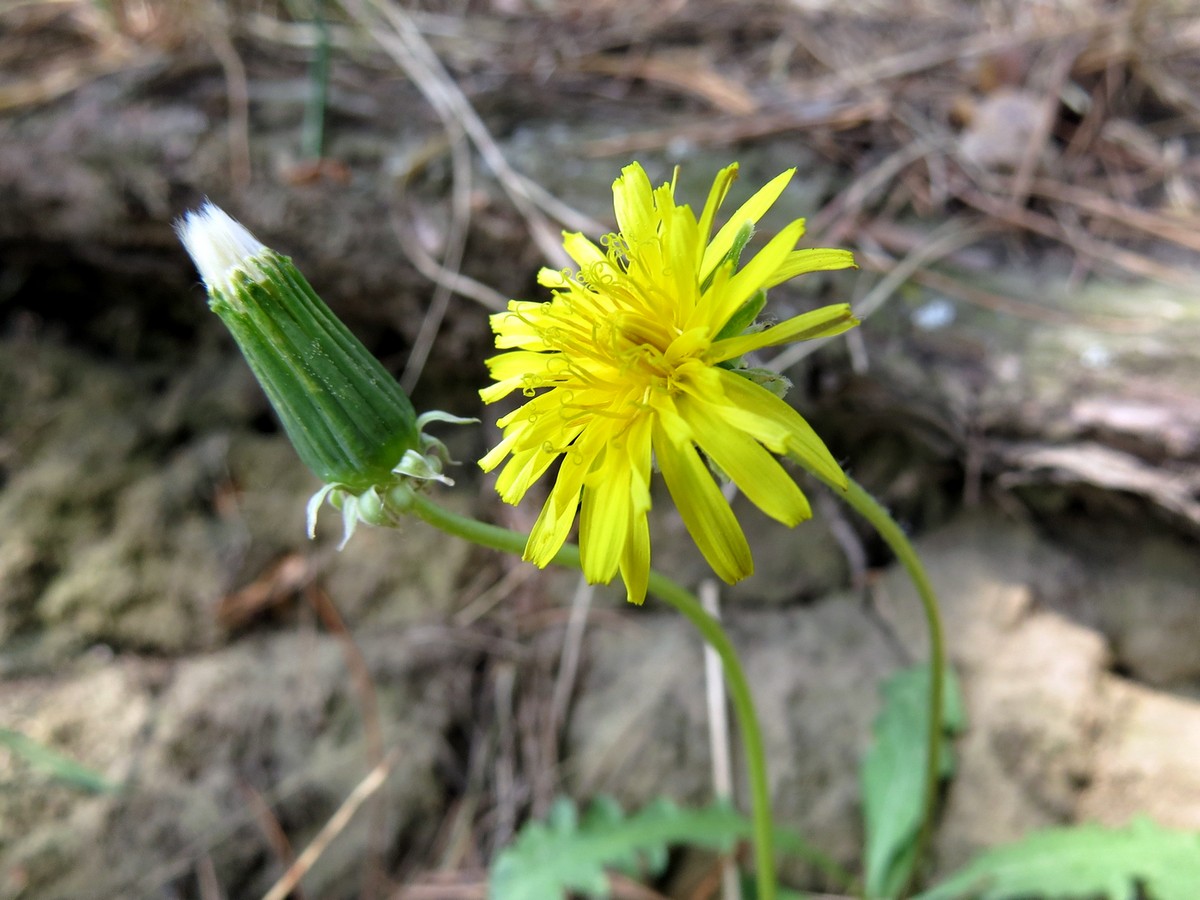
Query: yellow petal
<point>635,559</point>
<point>554,522</point>
<point>708,518</point>
<point>494,392</point>
<point>765,417</point>
<point>552,278</point>
<point>814,259</point>
<point>750,211</point>
<point>680,245</point>
<point>522,471</point>
<point>688,343</point>
<point>637,445</point>
<point>663,198</point>
<point>702,315</point>
<point>518,362</point>
<point>586,254</point>
<point>517,326</point>
<point>496,455</point>
<point>716,196</point>
<point>543,413</point>
<point>616,494</point>
<point>635,553</point>
<point>751,276</point>
<point>634,204</point>
<point>755,471</point>
<point>824,322</point>
<point>604,517</point>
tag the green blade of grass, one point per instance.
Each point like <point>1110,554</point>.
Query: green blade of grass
<point>58,766</point>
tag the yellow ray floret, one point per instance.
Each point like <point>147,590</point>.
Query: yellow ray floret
<point>628,363</point>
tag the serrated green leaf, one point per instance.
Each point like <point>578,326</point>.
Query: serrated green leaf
<point>1140,860</point>
<point>893,775</point>
<point>55,764</point>
<point>572,853</point>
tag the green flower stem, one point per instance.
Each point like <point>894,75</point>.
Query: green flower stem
<point>313,128</point>
<point>871,510</point>
<point>739,689</point>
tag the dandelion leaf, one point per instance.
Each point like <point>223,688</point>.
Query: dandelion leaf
<point>893,775</point>
<point>569,852</point>
<point>1139,860</point>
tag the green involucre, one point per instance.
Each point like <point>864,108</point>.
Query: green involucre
<point>343,411</point>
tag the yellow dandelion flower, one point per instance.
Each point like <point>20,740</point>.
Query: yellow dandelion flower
<point>636,357</point>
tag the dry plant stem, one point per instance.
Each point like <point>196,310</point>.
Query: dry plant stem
<point>881,520</point>
<point>340,819</point>
<point>460,284</point>
<point>507,541</point>
<point>568,661</point>
<point>207,882</point>
<point>947,239</point>
<point>368,702</point>
<point>718,734</point>
<point>269,825</point>
<point>400,38</point>
<point>456,243</point>
<point>237,93</point>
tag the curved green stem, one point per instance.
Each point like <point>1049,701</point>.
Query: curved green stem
<point>743,704</point>
<point>871,510</point>
<point>662,587</point>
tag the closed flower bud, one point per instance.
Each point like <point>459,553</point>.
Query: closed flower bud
<point>344,413</point>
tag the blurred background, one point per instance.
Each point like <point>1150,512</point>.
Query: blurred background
<point>190,689</point>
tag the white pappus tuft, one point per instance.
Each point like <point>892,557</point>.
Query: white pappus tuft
<point>217,243</point>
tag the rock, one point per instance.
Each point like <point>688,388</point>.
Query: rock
<point>110,531</point>
<point>192,740</point>
<point>1034,709</point>
<point>1141,593</point>
<point>1147,760</point>
<point>129,512</point>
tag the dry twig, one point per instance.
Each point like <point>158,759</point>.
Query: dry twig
<point>400,38</point>
<point>336,824</point>
<point>368,706</point>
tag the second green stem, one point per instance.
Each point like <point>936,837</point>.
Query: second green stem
<point>662,587</point>
<point>881,520</point>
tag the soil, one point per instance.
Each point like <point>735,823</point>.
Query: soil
<point>1020,187</point>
